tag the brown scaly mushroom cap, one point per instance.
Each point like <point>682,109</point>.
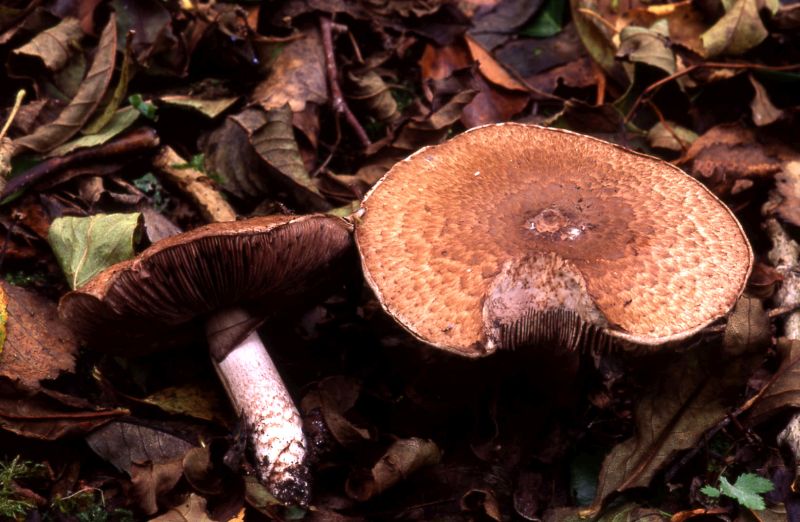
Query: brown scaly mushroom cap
<point>514,234</point>
<point>268,259</point>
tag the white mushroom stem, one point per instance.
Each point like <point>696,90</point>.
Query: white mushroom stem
<point>258,393</point>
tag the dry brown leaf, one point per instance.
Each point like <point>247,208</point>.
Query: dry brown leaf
<point>403,458</point>
<point>748,327</point>
<point>276,144</point>
<point>491,69</point>
<point>199,187</point>
<point>49,415</point>
<point>783,391</point>
<point>297,75</point>
<point>38,345</point>
<point>334,397</point>
<point>152,480</point>
<point>86,100</point>
<point>727,153</point>
<point>192,510</point>
<point>687,394</point>
<point>54,45</point>
<point>762,109</point>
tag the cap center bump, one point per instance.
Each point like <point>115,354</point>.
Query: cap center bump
<point>554,224</point>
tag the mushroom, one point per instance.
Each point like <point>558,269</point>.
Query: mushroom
<point>511,235</point>
<point>227,274</point>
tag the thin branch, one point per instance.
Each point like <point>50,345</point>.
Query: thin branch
<point>338,101</point>
<point>706,65</point>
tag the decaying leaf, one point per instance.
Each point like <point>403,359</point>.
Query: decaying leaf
<point>748,327</point>
<point>37,345</point>
<point>194,400</point>
<point>50,415</point>
<point>762,109</point>
<point>649,46</point>
<point>403,458</point>
<point>669,135</point>
<point>84,246</point>
<point>209,108</point>
<point>739,30</point>
<point>119,123</point>
<point>230,156</point>
<point>85,101</point>
<point>276,144</point>
<point>151,480</point>
<point>193,509</point>
<point>124,444</point>
<point>783,391</point>
<point>54,45</point>
<point>297,75</point>
<point>333,397</point>
<point>688,394</point>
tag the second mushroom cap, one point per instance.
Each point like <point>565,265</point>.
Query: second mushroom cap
<point>505,229</point>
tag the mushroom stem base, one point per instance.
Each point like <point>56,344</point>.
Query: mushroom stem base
<point>258,393</point>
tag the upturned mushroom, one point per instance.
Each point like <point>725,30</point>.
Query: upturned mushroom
<point>225,274</point>
<point>511,235</point>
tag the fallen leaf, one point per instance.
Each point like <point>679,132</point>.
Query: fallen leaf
<point>403,458</point>
<point>494,26</point>
<point>195,400</point>
<point>125,443</point>
<point>150,481</point>
<point>192,510</point>
<point>276,144</point>
<point>762,109</point>
<point>84,246</point>
<point>688,393</point>
<point>50,415</point>
<point>54,45</point>
<point>230,156</point>
<point>783,391</point>
<point>491,69</point>
<point>739,30</point>
<point>119,123</point>
<point>297,75</point>
<point>334,397</point>
<point>748,327</point>
<point>727,153</point>
<point>671,136</point>
<point>88,97</point>
<point>593,22</point>
<point>209,108</point>
<point>37,345</point>
<point>370,91</point>
<point>649,46</point>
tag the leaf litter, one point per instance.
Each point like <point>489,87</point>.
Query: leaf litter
<point>302,107</point>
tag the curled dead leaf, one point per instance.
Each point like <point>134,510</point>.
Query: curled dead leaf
<point>86,100</point>
<point>403,458</point>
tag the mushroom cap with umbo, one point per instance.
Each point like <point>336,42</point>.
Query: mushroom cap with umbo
<point>514,234</point>
<point>258,264</point>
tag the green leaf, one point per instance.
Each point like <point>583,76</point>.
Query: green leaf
<point>710,491</point>
<point>147,109</point>
<point>747,490</point>
<point>84,246</point>
<point>548,22</point>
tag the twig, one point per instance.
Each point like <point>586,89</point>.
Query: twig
<point>135,141</point>
<point>196,184</point>
<point>338,102</point>
<point>706,65</point>
<point>14,110</point>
